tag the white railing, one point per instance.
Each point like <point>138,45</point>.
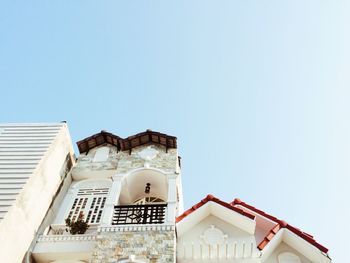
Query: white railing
<point>62,230</point>
<point>196,250</point>
<point>132,228</point>
<point>55,238</point>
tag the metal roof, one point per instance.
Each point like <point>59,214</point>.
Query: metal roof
<point>22,147</point>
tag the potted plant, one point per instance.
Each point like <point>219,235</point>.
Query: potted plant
<point>77,227</point>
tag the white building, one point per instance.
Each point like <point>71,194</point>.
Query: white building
<point>129,193</point>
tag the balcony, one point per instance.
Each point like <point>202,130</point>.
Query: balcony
<point>58,244</point>
<point>139,214</point>
<point>62,230</point>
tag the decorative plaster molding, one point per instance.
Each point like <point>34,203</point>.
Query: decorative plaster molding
<point>148,154</point>
<point>213,236</point>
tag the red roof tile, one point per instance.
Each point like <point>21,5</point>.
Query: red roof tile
<point>211,198</point>
<point>280,224</point>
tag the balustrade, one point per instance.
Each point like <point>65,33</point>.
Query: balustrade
<point>139,214</point>
<point>195,250</point>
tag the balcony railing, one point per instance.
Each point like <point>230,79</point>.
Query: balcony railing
<point>139,214</point>
<point>61,230</point>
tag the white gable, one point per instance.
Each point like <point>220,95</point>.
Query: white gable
<point>286,254</point>
<point>212,208</point>
<point>213,238</point>
<point>287,241</point>
<point>214,232</point>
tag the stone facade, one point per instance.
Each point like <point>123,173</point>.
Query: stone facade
<point>165,161</point>
<point>146,245</point>
<point>143,243</point>
<point>133,202</point>
<point>85,162</point>
<point>124,161</point>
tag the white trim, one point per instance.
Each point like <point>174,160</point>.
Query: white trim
<point>272,245</point>
<point>135,228</point>
<point>63,238</point>
<point>211,208</point>
<point>77,184</point>
<point>145,169</point>
<point>287,257</point>
<point>296,242</point>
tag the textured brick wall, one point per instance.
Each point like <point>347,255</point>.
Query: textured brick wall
<point>147,245</point>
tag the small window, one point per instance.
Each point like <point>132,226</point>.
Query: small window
<point>101,154</point>
<point>287,257</point>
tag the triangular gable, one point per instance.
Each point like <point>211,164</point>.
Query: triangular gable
<point>216,207</point>
<point>283,231</point>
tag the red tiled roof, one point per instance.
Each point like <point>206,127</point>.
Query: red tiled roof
<point>211,198</point>
<point>280,224</point>
<point>127,143</point>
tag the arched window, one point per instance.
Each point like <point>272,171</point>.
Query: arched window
<point>288,257</point>
<point>148,200</point>
<point>90,198</point>
<point>134,187</point>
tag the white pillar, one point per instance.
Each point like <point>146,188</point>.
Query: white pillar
<point>112,200</point>
<point>172,198</point>
<point>65,206</point>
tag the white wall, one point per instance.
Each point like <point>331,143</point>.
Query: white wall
<point>232,242</point>
<point>23,219</point>
<point>283,247</point>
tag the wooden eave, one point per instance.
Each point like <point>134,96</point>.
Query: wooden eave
<point>128,143</point>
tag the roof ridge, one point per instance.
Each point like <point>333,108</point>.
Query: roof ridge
<point>212,198</point>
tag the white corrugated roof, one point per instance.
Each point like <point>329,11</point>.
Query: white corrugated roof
<point>22,146</point>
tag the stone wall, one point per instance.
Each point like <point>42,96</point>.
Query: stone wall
<point>85,161</point>
<point>146,245</point>
<point>123,162</point>
<point>165,161</point>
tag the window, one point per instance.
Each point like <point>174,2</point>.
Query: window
<point>101,155</point>
<point>148,200</point>
<point>90,202</point>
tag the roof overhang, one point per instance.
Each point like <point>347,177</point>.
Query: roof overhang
<point>297,243</point>
<point>128,143</point>
<point>214,207</point>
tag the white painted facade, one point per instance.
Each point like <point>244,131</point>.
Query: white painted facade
<point>33,162</point>
<point>132,201</point>
<point>98,182</point>
<point>209,234</point>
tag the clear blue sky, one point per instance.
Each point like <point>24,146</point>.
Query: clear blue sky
<point>257,92</point>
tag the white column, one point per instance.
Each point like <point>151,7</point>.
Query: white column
<point>65,206</point>
<point>112,200</point>
<point>172,199</point>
